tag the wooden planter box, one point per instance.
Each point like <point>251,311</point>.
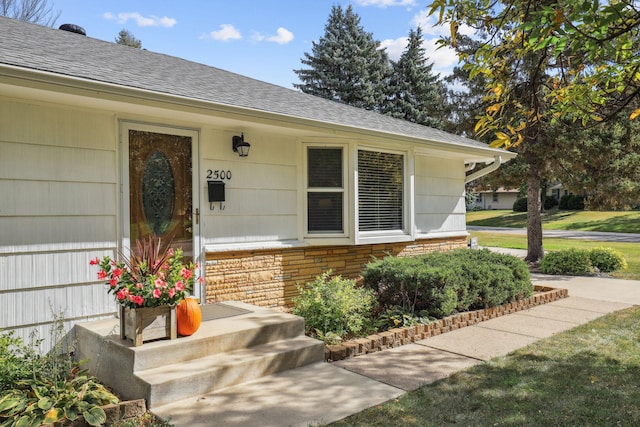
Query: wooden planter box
<point>148,323</point>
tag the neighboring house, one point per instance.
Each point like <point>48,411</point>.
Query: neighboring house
<point>557,191</point>
<point>501,198</point>
<point>102,143</point>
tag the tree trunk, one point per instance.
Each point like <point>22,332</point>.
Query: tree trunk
<point>535,251</point>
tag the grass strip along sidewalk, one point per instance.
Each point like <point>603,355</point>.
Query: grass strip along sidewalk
<point>587,376</point>
<point>611,222</point>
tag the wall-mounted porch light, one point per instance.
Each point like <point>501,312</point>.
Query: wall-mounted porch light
<point>240,146</point>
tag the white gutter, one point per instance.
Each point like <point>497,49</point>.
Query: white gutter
<point>482,172</point>
<point>469,167</point>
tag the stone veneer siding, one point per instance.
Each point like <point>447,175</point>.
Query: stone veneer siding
<point>268,278</point>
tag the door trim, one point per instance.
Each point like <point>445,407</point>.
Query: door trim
<point>125,234</point>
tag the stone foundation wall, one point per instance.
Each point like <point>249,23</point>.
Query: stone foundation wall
<point>268,278</point>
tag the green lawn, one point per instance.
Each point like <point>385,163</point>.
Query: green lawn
<point>630,251</point>
<point>619,222</point>
<point>587,376</point>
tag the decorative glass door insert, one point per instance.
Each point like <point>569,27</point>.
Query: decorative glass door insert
<point>160,188</point>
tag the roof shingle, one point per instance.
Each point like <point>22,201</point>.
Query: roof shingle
<point>64,53</point>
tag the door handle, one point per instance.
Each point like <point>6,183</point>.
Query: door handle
<point>197,216</point>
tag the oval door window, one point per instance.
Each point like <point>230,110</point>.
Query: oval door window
<point>158,192</point>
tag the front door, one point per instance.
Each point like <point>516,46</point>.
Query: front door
<point>160,189</point>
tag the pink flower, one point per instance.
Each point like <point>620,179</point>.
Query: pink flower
<point>136,299</point>
<point>116,273</point>
<point>172,292</point>
<point>156,293</point>
<point>180,285</point>
<point>102,275</point>
<point>94,261</point>
<point>139,285</point>
<point>186,273</point>
<point>113,283</point>
<point>160,283</point>
<point>122,294</point>
<point>170,252</point>
<point>201,280</point>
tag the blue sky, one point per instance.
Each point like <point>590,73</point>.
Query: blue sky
<point>263,39</point>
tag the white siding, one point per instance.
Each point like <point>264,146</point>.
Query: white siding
<point>58,209</point>
<point>261,196</point>
<point>439,201</point>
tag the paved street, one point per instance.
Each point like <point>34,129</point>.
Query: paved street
<point>566,234</point>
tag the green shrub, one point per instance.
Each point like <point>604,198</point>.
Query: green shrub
<point>571,202</point>
<point>334,306</point>
<point>42,389</point>
<point>573,262</point>
<point>441,283</point>
<point>18,361</point>
<point>607,260</point>
<point>576,262</point>
<point>520,205</point>
<point>550,202</point>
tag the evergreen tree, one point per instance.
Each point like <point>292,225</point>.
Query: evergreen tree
<point>346,64</point>
<point>126,37</point>
<point>415,93</point>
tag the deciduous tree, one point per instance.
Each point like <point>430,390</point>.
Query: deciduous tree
<point>35,11</point>
<point>546,62</point>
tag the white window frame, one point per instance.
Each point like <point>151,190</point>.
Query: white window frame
<point>387,236</point>
<point>328,237</point>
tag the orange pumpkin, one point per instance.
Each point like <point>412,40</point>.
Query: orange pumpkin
<point>188,316</point>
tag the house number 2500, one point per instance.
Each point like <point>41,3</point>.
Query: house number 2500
<point>218,174</point>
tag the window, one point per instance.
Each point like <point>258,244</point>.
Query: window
<point>495,197</point>
<point>380,191</point>
<point>325,190</point>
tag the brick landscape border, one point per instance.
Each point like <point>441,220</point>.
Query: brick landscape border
<point>407,335</point>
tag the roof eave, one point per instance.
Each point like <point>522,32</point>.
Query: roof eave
<point>86,87</point>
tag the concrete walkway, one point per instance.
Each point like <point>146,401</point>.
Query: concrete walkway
<point>323,393</point>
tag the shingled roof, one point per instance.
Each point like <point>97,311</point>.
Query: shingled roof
<point>63,53</point>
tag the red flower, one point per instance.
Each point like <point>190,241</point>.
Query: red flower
<point>186,273</point>
<point>122,294</point>
<point>116,273</point>
<point>94,261</point>
<point>113,283</point>
<point>136,299</point>
<point>172,292</point>
<point>102,275</point>
<point>180,285</point>
<point>156,293</point>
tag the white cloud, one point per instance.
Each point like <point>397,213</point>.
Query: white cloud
<point>394,47</point>
<point>443,59</point>
<point>386,3</point>
<point>141,21</point>
<point>429,27</point>
<point>283,36</point>
<point>225,33</point>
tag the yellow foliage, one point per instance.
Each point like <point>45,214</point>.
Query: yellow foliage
<point>635,114</point>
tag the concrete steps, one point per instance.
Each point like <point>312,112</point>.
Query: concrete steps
<point>223,352</point>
